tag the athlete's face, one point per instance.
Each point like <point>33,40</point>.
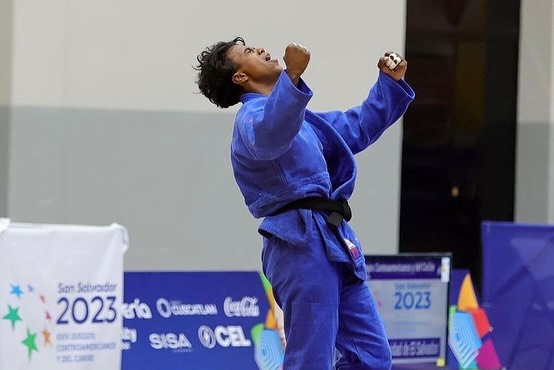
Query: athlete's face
<point>255,65</point>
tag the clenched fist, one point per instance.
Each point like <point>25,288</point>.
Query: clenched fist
<point>296,60</point>
<point>393,65</point>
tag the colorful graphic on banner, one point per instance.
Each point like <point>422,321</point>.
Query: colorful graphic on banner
<point>469,337</point>
<point>199,320</point>
<point>60,289</point>
<point>411,293</point>
<point>269,339</point>
<point>518,290</point>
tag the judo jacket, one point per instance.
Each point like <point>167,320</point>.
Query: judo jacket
<point>281,152</point>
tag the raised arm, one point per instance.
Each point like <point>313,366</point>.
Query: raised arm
<point>387,101</point>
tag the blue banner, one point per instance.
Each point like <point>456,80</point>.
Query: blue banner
<point>518,291</point>
<point>198,320</point>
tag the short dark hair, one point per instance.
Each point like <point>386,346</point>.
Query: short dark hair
<point>215,72</point>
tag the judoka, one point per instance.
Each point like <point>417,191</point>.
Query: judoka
<point>296,171</point>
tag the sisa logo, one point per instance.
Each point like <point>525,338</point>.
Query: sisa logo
<point>225,336</point>
<point>137,310</point>
<point>169,341</point>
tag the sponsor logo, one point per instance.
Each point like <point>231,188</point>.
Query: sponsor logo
<point>136,310</point>
<point>206,336</point>
<point>246,307</point>
<point>176,308</point>
<point>177,342</point>
<point>225,336</point>
<point>128,336</point>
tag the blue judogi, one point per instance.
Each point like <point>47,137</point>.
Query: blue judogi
<point>282,152</point>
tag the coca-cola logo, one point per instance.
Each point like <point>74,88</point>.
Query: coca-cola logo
<point>246,307</point>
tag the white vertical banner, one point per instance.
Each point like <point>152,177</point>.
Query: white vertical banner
<point>61,288</point>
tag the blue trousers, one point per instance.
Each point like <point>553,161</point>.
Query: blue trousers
<point>325,307</point>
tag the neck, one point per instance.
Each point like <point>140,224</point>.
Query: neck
<point>260,87</point>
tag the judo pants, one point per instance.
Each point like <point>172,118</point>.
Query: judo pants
<point>325,306</point>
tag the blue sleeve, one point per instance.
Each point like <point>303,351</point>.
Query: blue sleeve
<point>268,125</point>
<point>361,126</point>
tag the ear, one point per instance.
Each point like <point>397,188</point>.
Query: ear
<point>239,78</point>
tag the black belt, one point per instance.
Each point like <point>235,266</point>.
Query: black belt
<point>340,210</point>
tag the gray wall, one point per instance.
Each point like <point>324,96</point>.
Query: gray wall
<point>535,137</point>
<point>4,158</point>
<point>550,198</point>
<point>107,125</point>
<point>164,175</point>
<point>6,16</point>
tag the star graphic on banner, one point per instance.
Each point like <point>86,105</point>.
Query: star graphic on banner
<point>48,317</point>
<point>42,298</point>
<point>29,342</point>
<point>30,288</point>
<point>16,290</point>
<point>12,315</point>
<point>46,335</point>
